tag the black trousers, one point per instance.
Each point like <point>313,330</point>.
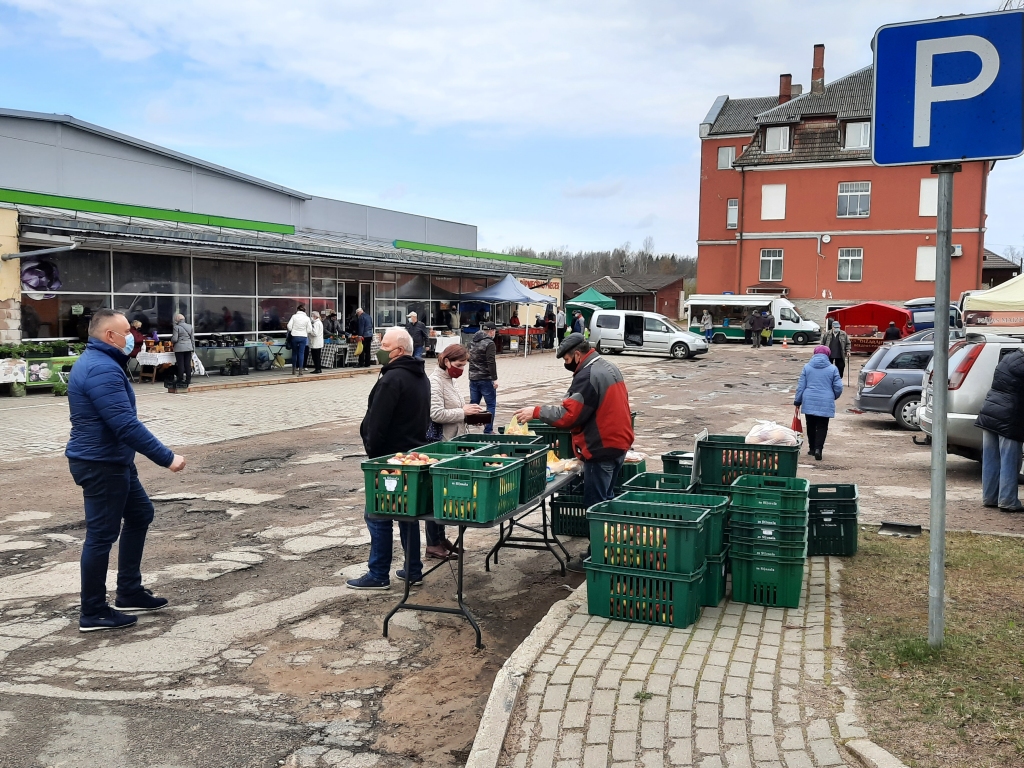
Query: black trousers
<point>817,431</point>
<point>839,363</point>
<point>561,334</point>
<point>317,357</point>
<point>184,368</point>
<point>748,335</point>
<point>364,356</point>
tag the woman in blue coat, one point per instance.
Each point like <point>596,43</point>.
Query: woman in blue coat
<point>819,387</point>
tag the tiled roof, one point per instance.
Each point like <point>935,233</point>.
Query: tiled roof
<point>814,141</point>
<point>846,98</point>
<point>616,285</point>
<point>992,260</point>
<point>740,115</point>
<point>654,282</point>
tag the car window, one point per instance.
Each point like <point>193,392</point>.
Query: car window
<point>910,361</point>
<point>875,359</point>
<point>608,321</point>
<point>1004,352</point>
<point>654,325</point>
<point>789,315</point>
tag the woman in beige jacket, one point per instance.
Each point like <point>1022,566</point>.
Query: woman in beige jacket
<point>448,408</point>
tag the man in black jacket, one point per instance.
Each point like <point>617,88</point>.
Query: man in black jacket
<point>483,371</point>
<point>757,324</point>
<point>892,333</point>
<point>418,332</point>
<point>1002,424</point>
<point>397,416</point>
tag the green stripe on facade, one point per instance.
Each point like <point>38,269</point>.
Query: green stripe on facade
<point>409,245</point>
<point>142,212</point>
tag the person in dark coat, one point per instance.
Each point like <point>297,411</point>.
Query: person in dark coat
<point>757,324</point>
<point>579,325</point>
<point>769,325</point>
<point>397,417</point>
<point>892,333</point>
<point>105,435</point>
<point>364,330</point>
<point>819,387</point>
<point>483,371</point>
<point>1002,424</point>
<point>184,340</point>
<point>419,334</point>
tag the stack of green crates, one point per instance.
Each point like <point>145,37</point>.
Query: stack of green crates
<point>723,458</point>
<point>832,520</point>
<point>677,463</point>
<point>768,539</point>
<point>630,469</point>
<point>648,561</point>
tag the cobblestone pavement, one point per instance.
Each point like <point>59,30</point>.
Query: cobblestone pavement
<point>745,687</point>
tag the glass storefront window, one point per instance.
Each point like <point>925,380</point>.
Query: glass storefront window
<point>153,311</point>
<point>64,315</point>
<point>444,287</point>
<point>223,277</point>
<point>324,272</point>
<point>322,306</point>
<point>473,284</point>
<point>283,280</point>
<point>387,314</point>
<point>385,290</point>
<point>421,308</point>
<point>223,314</point>
<point>78,270</point>
<point>356,274</point>
<point>413,286</point>
<point>275,313</point>
<point>151,273</point>
<point>386,276</point>
<point>324,287</point>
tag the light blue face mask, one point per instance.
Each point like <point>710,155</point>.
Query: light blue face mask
<point>129,343</point>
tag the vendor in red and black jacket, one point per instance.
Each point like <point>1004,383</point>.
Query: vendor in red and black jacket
<point>596,410</point>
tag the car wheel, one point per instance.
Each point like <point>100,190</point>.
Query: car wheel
<point>800,338</point>
<point>719,338</point>
<point>904,411</point>
<point>602,350</point>
<point>680,351</point>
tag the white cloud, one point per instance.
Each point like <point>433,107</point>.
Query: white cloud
<point>595,190</point>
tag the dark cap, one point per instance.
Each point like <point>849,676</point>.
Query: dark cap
<point>571,343</point>
<point>488,326</point>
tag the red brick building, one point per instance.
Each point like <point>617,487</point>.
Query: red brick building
<point>791,203</point>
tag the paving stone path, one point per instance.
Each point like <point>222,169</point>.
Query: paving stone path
<point>745,687</point>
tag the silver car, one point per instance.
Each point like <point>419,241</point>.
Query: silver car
<point>619,330</point>
<point>972,362</point>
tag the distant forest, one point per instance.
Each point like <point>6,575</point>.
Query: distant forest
<point>624,260</point>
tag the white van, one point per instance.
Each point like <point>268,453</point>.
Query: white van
<point>623,330</point>
<point>729,312</point>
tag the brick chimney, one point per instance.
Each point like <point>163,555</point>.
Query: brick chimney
<point>785,88</point>
<point>818,70</point>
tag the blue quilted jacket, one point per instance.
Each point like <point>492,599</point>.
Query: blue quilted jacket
<point>104,423</point>
<point>819,387</point>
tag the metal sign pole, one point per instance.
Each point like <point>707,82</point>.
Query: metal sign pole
<point>940,406</point>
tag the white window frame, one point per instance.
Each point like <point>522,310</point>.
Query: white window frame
<point>771,256</point>
<point>852,257</point>
<point>780,131</point>
<point>925,268</point>
<point>859,132</point>
<point>732,213</point>
<point>773,202</point>
<point>929,202</point>
<point>730,154</point>
<point>854,189</point>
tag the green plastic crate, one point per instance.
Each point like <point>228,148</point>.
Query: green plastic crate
<point>467,491</point>
<point>760,547</point>
<point>834,535</point>
<point>677,462</point>
<point>496,439</point>
<point>772,581</point>
<point>833,499</point>
<point>451,448</point>
<point>713,592</point>
<point>569,516</point>
<point>774,533</point>
<point>785,494</point>
<point>768,517</point>
<point>723,458</point>
<point>717,507</point>
<point>648,537</point>
<point>665,599</point>
<point>407,494</point>
<point>629,471</point>
<point>535,466</point>
<point>657,481</point>
<point>560,440</point>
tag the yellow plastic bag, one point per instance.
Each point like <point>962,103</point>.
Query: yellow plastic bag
<point>515,428</point>
<point>359,347</point>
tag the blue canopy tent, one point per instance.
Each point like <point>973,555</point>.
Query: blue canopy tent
<point>508,290</point>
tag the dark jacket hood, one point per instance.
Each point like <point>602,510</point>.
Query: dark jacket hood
<point>405,363</point>
<point>480,335</point>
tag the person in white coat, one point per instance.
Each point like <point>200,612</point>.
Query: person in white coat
<point>448,410</point>
<point>316,343</point>
<point>299,329</point>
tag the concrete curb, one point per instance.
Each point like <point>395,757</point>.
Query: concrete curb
<point>490,736</point>
<point>231,384</point>
<point>872,755</point>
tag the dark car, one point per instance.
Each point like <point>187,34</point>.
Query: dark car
<point>892,379</point>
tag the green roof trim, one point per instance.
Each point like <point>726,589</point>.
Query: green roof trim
<point>142,212</point>
<point>411,246</point>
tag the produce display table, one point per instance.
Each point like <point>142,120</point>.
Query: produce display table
<point>443,342</point>
<point>156,361</point>
<point>516,515</point>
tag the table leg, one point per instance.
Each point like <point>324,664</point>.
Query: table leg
<point>550,525</point>
<point>405,596</point>
<point>461,549</point>
<point>507,538</point>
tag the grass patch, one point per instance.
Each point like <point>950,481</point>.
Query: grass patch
<point>961,705</point>
<point>643,696</point>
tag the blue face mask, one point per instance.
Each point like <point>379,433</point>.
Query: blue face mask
<point>129,343</point>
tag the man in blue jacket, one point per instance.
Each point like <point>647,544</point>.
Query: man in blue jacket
<point>105,435</point>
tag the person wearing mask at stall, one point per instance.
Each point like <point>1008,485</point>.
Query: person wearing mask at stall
<point>596,411</point>
<point>578,323</point>
<point>819,387</point>
<point>448,411</point>
<point>397,418</point>
<point>300,327</point>
<point>184,340</point>
<point>139,339</point>
<point>560,324</point>
<point>838,343</point>
<point>483,371</point>
<point>364,330</point>
<point>419,334</point>
<point>105,436</point>
<point>316,343</point>
<point>331,325</point>
<point>514,322</point>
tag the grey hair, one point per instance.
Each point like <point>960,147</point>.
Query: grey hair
<point>359,309</point>
<point>401,337</point>
<point>100,319</point>
<point>178,317</point>
<point>315,313</point>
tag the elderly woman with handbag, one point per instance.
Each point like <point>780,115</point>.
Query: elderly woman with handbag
<point>448,412</point>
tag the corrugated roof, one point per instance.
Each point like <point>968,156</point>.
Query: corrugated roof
<point>740,115</point>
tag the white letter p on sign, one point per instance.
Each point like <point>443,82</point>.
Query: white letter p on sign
<point>926,94</point>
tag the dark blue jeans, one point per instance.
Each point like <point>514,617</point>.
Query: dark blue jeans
<point>299,344</point>
<point>599,478</point>
<point>484,389</point>
<point>417,352</point>
<point>382,541</point>
<point>115,504</point>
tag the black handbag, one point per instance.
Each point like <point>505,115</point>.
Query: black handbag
<point>288,341</point>
<point>435,432</point>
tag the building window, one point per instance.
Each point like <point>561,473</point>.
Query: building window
<point>773,202</point>
<point>726,157</point>
<point>851,265</point>
<point>925,263</point>
<point>929,203</point>
<point>771,264</point>
<point>854,199</point>
<point>777,139</point>
<point>732,214</point>
<point>858,135</point>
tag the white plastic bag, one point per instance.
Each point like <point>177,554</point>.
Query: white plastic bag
<point>770,433</point>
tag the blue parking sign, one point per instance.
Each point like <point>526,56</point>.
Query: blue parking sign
<point>948,90</point>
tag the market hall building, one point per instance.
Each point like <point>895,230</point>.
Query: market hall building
<point>157,232</point>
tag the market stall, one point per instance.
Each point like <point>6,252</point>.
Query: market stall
<point>510,291</point>
<point>588,302</point>
<point>865,323</point>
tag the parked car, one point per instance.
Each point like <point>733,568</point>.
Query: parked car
<point>620,330</point>
<point>892,379</point>
<point>922,312</point>
<point>972,362</point>
<point>929,334</point>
